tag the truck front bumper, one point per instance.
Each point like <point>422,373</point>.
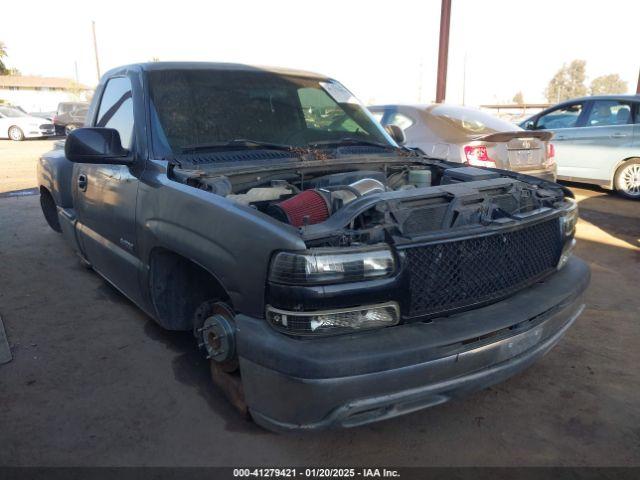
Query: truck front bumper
<point>350,380</point>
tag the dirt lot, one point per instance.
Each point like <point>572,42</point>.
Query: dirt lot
<point>95,382</point>
<point>18,162</point>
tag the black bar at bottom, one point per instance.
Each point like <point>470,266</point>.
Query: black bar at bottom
<point>319,472</point>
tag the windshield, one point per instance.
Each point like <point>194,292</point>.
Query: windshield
<point>11,112</point>
<point>460,123</point>
<point>202,107</point>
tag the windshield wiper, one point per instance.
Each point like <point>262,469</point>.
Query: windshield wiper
<point>351,141</point>
<point>237,143</point>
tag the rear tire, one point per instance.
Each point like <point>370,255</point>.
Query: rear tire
<point>49,210</point>
<point>627,179</point>
<point>16,134</point>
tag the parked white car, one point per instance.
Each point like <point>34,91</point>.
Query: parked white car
<point>17,125</point>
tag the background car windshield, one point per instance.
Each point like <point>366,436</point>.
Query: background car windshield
<point>460,123</point>
<point>11,112</point>
<point>208,106</point>
<point>399,120</point>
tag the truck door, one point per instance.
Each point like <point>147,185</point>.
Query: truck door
<point>105,196</point>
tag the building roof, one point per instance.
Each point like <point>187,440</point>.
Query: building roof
<point>29,81</point>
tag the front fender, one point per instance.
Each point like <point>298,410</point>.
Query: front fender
<point>230,241</point>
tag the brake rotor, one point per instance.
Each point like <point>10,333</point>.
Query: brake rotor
<point>217,336</point>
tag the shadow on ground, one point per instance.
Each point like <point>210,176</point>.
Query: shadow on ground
<point>610,212</point>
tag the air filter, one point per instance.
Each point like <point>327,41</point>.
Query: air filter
<point>306,208</point>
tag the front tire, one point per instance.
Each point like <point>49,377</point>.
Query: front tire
<point>627,179</point>
<point>16,134</point>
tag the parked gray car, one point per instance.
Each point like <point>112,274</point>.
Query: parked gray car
<point>331,277</point>
<point>597,140</point>
<point>468,135</point>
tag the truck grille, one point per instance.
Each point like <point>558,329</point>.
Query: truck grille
<point>457,274</point>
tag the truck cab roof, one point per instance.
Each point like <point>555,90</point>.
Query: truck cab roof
<point>221,66</point>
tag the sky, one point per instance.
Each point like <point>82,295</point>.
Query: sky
<point>383,51</point>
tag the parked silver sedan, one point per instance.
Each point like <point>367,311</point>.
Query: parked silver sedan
<point>597,140</point>
<point>467,135</point>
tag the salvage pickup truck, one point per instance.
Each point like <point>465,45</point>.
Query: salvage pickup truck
<point>332,277</point>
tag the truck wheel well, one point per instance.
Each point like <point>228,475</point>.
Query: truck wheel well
<point>178,286</point>
<point>49,210</point>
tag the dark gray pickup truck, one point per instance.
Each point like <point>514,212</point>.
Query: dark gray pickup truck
<point>333,277</point>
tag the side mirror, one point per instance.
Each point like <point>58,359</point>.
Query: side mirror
<point>529,125</point>
<point>96,145</point>
<point>396,133</point>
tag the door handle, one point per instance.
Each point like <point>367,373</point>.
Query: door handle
<point>559,137</point>
<point>618,135</point>
<point>82,182</point>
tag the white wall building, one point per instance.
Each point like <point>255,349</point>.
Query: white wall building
<point>40,94</point>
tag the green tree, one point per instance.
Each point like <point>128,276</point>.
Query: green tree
<point>518,98</point>
<point>568,82</point>
<point>3,54</point>
<point>608,84</point>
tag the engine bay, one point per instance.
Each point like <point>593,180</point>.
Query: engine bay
<point>380,201</point>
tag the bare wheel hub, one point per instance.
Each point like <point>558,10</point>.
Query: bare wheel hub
<point>217,334</point>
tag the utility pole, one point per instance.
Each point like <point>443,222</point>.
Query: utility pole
<point>638,87</point>
<point>443,50</point>
<point>95,48</point>
<point>75,67</point>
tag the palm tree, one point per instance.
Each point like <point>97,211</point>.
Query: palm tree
<point>3,54</point>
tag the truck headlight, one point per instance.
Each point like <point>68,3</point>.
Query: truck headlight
<point>329,322</point>
<point>569,218</point>
<point>330,265</point>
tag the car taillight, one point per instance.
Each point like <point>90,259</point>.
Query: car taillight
<point>477,155</point>
<point>551,154</point>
